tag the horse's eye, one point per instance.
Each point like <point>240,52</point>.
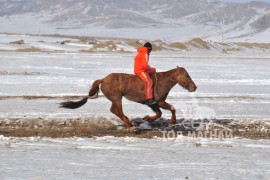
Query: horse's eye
<point>187,76</point>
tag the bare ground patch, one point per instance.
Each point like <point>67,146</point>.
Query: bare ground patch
<point>91,127</point>
<point>20,42</point>
<point>198,43</point>
<point>57,128</point>
<point>32,49</point>
<point>123,45</point>
<point>179,45</point>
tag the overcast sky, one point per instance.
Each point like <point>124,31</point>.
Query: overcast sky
<point>235,1</point>
<point>242,1</point>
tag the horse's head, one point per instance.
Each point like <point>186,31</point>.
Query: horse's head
<point>185,80</point>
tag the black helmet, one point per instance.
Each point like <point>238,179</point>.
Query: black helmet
<point>148,45</point>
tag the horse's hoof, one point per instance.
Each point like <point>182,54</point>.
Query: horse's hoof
<point>171,126</point>
<point>135,130</point>
<point>168,129</point>
<point>138,131</point>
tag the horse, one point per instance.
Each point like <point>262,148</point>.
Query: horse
<point>115,86</point>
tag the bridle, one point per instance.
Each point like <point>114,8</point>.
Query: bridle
<point>184,86</point>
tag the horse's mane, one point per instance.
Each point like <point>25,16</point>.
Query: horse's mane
<point>167,72</point>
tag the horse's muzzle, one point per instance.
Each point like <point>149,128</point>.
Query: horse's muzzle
<point>192,88</point>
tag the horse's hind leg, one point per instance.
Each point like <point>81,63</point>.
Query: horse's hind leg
<point>167,106</point>
<point>158,112</point>
<point>117,109</point>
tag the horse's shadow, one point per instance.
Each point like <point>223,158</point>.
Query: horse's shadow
<point>164,124</point>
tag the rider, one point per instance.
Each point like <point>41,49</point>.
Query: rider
<point>141,69</point>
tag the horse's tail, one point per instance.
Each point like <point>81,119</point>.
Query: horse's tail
<point>76,104</point>
<point>95,88</point>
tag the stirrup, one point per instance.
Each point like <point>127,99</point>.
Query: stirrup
<point>150,102</point>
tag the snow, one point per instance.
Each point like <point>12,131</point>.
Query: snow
<point>133,158</point>
<point>234,86</point>
<point>6,38</point>
<point>8,47</point>
<point>161,20</point>
<point>184,32</point>
<point>233,93</point>
<point>53,46</point>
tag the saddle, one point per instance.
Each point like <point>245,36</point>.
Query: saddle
<point>154,80</point>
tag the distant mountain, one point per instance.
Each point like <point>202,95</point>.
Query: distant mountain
<point>166,19</point>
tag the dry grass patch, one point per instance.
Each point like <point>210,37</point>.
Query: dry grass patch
<point>157,47</point>
<point>20,42</point>
<point>251,134</point>
<point>134,43</point>
<point>198,43</point>
<point>178,45</point>
<point>262,45</point>
<point>245,44</point>
<point>59,51</point>
<point>78,131</point>
<point>89,40</point>
<point>254,45</point>
<point>225,44</point>
<point>230,50</point>
<point>65,42</point>
<point>88,127</point>
<point>103,46</point>
<point>32,49</point>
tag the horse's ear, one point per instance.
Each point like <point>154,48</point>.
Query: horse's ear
<point>182,70</point>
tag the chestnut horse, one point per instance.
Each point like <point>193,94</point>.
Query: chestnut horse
<point>116,85</point>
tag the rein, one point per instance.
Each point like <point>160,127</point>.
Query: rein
<point>156,84</point>
<point>170,79</point>
<point>175,81</point>
<point>186,84</point>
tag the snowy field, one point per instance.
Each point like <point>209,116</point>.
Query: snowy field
<point>228,87</point>
<point>133,158</point>
<point>233,87</point>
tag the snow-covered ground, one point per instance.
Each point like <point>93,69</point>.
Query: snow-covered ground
<point>234,86</point>
<point>133,158</point>
<point>92,44</point>
<point>228,87</point>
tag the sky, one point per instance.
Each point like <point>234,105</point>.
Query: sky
<point>237,1</point>
<point>243,1</point>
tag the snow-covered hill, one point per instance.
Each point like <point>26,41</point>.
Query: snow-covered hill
<point>154,19</point>
<point>84,44</point>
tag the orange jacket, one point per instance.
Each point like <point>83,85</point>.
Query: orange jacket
<point>141,61</point>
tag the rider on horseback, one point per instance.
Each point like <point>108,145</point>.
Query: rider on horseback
<point>141,69</point>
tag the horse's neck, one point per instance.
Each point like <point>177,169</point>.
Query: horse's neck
<point>165,82</point>
<point>169,78</point>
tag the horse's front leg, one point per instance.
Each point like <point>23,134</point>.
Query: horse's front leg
<point>167,106</point>
<point>156,109</point>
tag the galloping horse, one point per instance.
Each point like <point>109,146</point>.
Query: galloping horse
<point>116,85</point>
